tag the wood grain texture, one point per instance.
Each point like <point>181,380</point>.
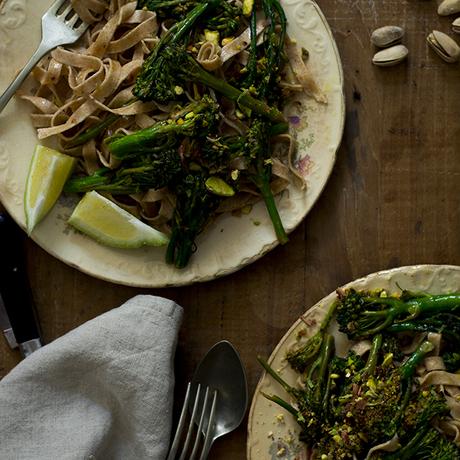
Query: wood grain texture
<point>392,200</point>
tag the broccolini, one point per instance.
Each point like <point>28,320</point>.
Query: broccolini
<point>346,405</point>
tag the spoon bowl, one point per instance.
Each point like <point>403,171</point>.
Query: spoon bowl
<point>222,370</point>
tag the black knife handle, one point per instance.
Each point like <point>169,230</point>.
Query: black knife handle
<point>14,284</point>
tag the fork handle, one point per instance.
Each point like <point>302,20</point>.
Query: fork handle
<point>17,82</point>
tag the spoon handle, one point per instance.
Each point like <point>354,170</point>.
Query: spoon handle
<point>209,437</point>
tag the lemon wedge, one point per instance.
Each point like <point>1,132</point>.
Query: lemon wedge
<point>107,223</point>
<point>48,172</point>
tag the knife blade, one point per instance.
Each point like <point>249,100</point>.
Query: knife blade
<point>15,291</point>
<point>5,326</point>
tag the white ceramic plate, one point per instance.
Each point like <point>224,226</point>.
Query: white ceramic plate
<point>271,429</point>
<point>230,242</point>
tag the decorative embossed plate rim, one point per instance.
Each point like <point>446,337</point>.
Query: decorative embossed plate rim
<point>221,249</point>
<point>266,434</point>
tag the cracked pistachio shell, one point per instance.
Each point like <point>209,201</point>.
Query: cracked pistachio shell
<point>390,56</point>
<point>387,36</point>
<point>448,7</point>
<point>456,25</point>
<point>446,47</point>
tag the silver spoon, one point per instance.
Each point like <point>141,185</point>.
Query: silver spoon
<point>222,370</point>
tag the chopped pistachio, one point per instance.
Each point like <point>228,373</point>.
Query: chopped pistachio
<point>248,5</point>
<point>227,40</point>
<point>219,187</point>
<point>211,36</point>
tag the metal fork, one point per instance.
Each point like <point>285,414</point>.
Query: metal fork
<point>204,407</point>
<point>60,26</point>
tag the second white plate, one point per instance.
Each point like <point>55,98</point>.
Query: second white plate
<point>271,429</point>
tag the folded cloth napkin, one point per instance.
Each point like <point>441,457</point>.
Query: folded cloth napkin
<point>102,391</point>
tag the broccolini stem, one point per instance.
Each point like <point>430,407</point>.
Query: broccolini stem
<point>275,375</point>
<point>421,305</point>
<point>282,403</point>
<point>407,370</point>
<point>327,392</point>
<point>371,363</point>
<point>313,368</point>
<point>171,250</point>
<point>192,70</point>
<point>126,146</point>
<point>424,327</point>
<point>93,132</point>
<point>88,183</point>
<point>181,28</point>
<point>327,319</point>
<point>164,133</point>
<point>252,61</point>
<point>436,303</point>
<point>410,309</point>
<point>242,98</point>
<point>407,326</point>
<point>269,200</point>
<point>407,451</point>
<point>279,128</point>
<point>388,321</point>
<point>153,6</point>
<point>327,350</point>
<point>184,251</point>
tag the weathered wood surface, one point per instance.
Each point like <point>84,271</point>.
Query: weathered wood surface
<point>393,199</point>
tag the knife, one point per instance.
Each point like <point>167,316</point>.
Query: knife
<point>17,313</point>
<point>5,326</point>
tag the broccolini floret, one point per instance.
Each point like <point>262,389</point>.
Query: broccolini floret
<point>300,358</point>
<point>156,80</point>
<point>416,433</point>
<point>196,119</point>
<point>160,79</point>
<point>362,314</point>
<point>195,204</point>
<point>259,170</point>
<point>145,172</point>
<point>225,17</point>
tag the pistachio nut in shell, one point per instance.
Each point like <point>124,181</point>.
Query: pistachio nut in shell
<point>387,36</point>
<point>446,47</point>
<point>390,56</point>
<point>456,25</point>
<point>448,7</point>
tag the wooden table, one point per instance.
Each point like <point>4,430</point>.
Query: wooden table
<point>393,199</point>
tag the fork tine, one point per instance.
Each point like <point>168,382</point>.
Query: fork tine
<point>192,421</point>
<point>55,6</point>
<point>207,438</point>
<point>81,28</point>
<point>180,426</point>
<point>200,424</point>
<point>67,10</point>
<point>73,20</point>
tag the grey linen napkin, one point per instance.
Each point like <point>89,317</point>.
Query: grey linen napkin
<point>102,391</point>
